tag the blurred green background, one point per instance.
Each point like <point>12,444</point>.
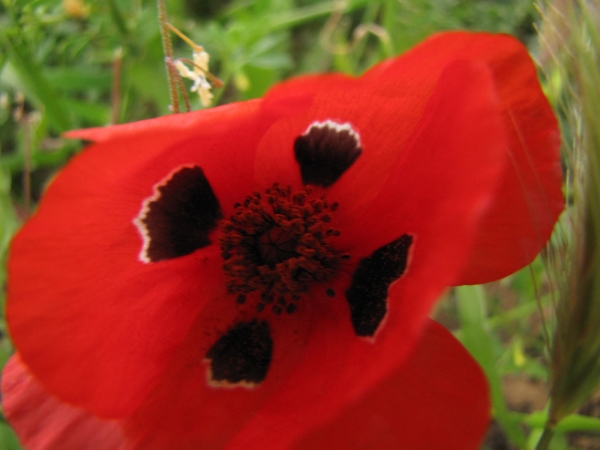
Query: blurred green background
<point>60,62</point>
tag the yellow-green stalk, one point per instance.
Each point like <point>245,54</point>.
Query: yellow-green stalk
<point>570,56</point>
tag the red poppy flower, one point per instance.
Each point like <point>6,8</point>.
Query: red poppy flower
<point>259,275</point>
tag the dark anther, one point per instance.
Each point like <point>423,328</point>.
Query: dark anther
<point>330,292</point>
<point>266,297</point>
<point>260,307</point>
<point>241,299</point>
<point>277,310</point>
<point>291,308</point>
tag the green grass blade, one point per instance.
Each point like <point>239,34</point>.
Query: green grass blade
<point>477,338</point>
<point>574,422</point>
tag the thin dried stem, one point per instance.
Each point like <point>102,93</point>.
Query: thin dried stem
<point>168,51</point>
<point>27,167</point>
<point>177,77</point>
<point>116,87</point>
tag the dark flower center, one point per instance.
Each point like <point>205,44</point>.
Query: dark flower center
<point>277,243</point>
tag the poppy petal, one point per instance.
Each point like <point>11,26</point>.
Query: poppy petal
<point>437,400</point>
<point>439,384</point>
<point>43,422</point>
<point>78,258</point>
<point>346,143</point>
<point>521,217</point>
<point>214,386</point>
<point>292,96</point>
<point>446,177</point>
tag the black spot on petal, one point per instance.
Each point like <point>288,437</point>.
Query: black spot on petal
<point>326,151</point>
<point>178,218</point>
<point>368,291</point>
<point>242,354</point>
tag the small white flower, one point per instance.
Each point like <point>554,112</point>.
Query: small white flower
<point>205,94</point>
<point>184,71</point>
<point>201,60</point>
<point>198,75</point>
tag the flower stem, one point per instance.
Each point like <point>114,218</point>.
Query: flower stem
<point>544,441</point>
<point>187,40</point>
<point>168,51</point>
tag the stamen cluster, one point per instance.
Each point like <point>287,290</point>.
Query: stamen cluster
<point>276,243</point>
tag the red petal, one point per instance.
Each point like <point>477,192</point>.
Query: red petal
<point>185,411</point>
<point>384,125</point>
<point>319,368</point>
<point>275,160</point>
<point>437,400</point>
<point>529,198</point>
<point>42,422</point>
<point>78,293</point>
<point>436,193</point>
<point>443,182</point>
<point>222,141</point>
<point>297,94</point>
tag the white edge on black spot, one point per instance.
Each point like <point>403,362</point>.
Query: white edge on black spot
<point>225,384</point>
<point>138,221</point>
<point>336,126</point>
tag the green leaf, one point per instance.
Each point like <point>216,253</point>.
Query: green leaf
<point>478,339</point>
<point>95,114</point>
<point>70,79</point>
<point>8,439</point>
<point>272,61</point>
<point>30,75</point>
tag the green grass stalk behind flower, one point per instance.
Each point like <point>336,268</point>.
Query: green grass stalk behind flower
<point>570,38</point>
